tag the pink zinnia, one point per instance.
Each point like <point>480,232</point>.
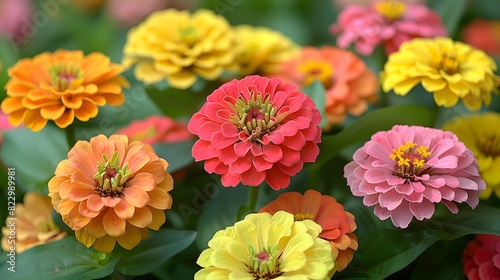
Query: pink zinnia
<point>388,23</point>
<point>404,171</point>
<point>156,129</point>
<point>481,258</point>
<point>15,19</point>
<point>256,129</point>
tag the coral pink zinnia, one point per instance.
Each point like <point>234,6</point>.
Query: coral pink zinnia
<point>110,190</point>
<point>336,223</point>
<point>256,129</point>
<point>156,129</point>
<point>481,258</point>
<point>404,171</point>
<point>388,23</point>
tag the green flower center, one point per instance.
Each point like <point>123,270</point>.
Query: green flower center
<point>110,178</point>
<point>265,264</point>
<point>256,117</point>
<point>303,216</point>
<point>410,161</point>
<point>64,76</point>
<point>46,225</point>
<point>491,146</point>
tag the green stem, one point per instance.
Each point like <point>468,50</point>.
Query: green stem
<point>70,135</point>
<point>252,198</point>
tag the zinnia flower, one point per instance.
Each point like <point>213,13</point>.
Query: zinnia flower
<point>267,247</point>
<point>15,19</point>
<point>111,191</point>
<point>256,129</point>
<point>260,50</point>
<point>33,224</point>
<point>481,258</point>
<point>484,35</point>
<point>130,12</point>
<point>337,225</point>
<point>450,70</point>
<point>61,86</point>
<point>480,134</point>
<point>388,23</point>
<point>156,129</point>
<point>179,46</point>
<point>349,83</point>
<point>404,171</point>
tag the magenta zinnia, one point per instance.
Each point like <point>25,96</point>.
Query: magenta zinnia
<point>256,129</point>
<point>404,171</point>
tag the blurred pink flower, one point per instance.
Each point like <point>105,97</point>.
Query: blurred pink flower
<point>256,129</point>
<point>15,16</point>
<point>156,129</point>
<point>130,12</point>
<point>387,23</point>
<point>404,171</point>
<point>481,258</point>
<point>484,35</point>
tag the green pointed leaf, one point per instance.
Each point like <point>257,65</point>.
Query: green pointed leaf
<point>176,103</point>
<point>360,130</point>
<point>178,155</point>
<point>451,12</point>
<point>154,251</point>
<point>63,259</point>
<point>34,155</point>
<point>316,91</point>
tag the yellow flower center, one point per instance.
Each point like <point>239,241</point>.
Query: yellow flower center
<point>410,161</point>
<point>491,147</point>
<point>188,35</point>
<point>446,60</point>
<point>317,70</point>
<point>265,264</point>
<point>64,76</point>
<point>256,117</point>
<point>110,179</point>
<point>303,216</point>
<point>391,10</point>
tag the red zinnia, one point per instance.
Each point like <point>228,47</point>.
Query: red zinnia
<point>256,129</point>
<point>481,258</point>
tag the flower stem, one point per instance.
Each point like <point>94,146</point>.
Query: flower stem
<point>252,198</point>
<point>70,135</point>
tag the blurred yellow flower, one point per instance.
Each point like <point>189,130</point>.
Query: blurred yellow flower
<point>260,50</point>
<point>179,46</point>
<point>450,70</point>
<point>61,86</point>
<point>34,225</point>
<point>267,247</point>
<point>480,133</point>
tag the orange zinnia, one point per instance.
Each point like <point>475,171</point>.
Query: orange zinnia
<point>60,86</point>
<point>338,225</point>
<point>111,191</point>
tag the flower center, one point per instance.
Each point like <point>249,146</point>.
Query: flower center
<point>188,35</point>
<point>317,70</point>
<point>265,264</point>
<point>64,76</point>
<point>391,10</point>
<point>446,60</point>
<point>45,225</point>
<point>255,118</point>
<point>303,216</point>
<point>110,179</point>
<point>410,161</point>
<point>491,146</point>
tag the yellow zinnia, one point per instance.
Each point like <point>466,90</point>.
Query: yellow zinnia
<point>480,133</point>
<point>179,46</point>
<point>450,70</point>
<point>61,86</point>
<point>267,247</point>
<point>260,50</point>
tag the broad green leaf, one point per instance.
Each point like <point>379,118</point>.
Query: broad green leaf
<point>176,103</point>
<point>63,259</point>
<point>154,251</point>
<point>451,12</point>
<point>317,93</point>
<point>35,156</point>
<point>360,130</point>
<point>178,155</point>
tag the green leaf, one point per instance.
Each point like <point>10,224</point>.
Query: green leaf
<point>176,103</point>
<point>360,130</point>
<point>451,12</point>
<point>178,155</point>
<point>316,91</point>
<point>154,251</point>
<point>63,259</point>
<point>35,156</point>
